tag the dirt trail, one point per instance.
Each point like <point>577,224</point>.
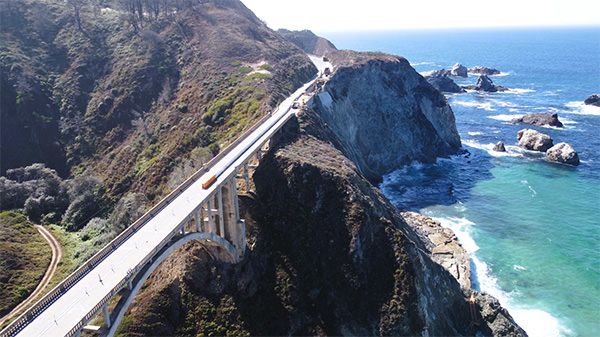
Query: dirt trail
<point>56,257</point>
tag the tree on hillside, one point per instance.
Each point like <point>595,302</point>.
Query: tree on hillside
<point>77,6</point>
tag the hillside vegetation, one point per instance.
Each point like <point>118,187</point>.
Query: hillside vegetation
<point>24,256</point>
<point>108,105</point>
<point>92,87</point>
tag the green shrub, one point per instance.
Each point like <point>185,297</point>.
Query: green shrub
<point>259,76</point>
<point>267,67</point>
<point>245,70</point>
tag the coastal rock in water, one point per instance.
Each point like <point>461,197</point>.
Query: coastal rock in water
<point>436,73</point>
<point>533,140</point>
<point>497,319</point>
<point>563,153</point>
<point>539,119</point>
<point>499,147</point>
<point>459,70</point>
<point>443,83</point>
<point>593,100</point>
<point>380,94</point>
<point>485,84</point>
<point>442,245</point>
<point>484,71</point>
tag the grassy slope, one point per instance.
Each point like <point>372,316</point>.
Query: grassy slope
<point>24,257</point>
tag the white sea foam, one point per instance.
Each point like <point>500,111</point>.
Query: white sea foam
<point>424,63</point>
<point>461,228</point>
<point>519,91</point>
<point>506,117</point>
<point>536,322</point>
<point>580,108</point>
<point>511,150</point>
<point>484,106</point>
<point>504,103</point>
<point>501,74</point>
<point>475,133</point>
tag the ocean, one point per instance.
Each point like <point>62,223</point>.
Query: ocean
<point>531,227</point>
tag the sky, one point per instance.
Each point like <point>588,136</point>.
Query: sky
<point>353,15</point>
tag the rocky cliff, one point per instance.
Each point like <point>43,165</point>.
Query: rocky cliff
<point>308,41</point>
<point>328,255</point>
<point>384,113</point>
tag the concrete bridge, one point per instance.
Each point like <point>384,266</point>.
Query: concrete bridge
<point>204,207</point>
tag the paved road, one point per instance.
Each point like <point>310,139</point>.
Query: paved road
<point>68,309</point>
<point>56,257</point>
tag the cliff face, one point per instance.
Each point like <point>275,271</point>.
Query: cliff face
<point>328,255</point>
<point>385,114</point>
<point>308,41</point>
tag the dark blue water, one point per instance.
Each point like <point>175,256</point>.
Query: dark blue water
<point>532,228</point>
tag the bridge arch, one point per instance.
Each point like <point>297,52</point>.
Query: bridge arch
<point>200,236</point>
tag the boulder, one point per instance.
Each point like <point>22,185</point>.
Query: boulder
<point>443,83</point>
<point>539,119</point>
<point>485,84</point>
<point>459,70</point>
<point>499,147</point>
<point>563,153</point>
<point>436,73</point>
<point>484,71</point>
<point>533,140</point>
<point>593,100</point>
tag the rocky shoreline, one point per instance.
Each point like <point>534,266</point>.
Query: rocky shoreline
<point>443,248</point>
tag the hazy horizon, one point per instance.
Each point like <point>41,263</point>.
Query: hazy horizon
<point>381,15</point>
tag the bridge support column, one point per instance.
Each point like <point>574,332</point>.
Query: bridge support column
<point>234,228</point>
<point>211,221</point>
<point>197,218</point>
<point>221,220</point>
<point>106,315</point>
<point>247,176</point>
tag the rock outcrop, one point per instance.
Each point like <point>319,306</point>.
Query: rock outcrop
<point>499,147</point>
<point>563,153</point>
<point>541,119</point>
<point>459,70</point>
<point>328,255</point>
<point>485,84</point>
<point>308,41</point>
<point>533,140</point>
<point>484,71</point>
<point>379,94</point>
<point>443,83</point>
<point>442,246</point>
<point>593,100</point>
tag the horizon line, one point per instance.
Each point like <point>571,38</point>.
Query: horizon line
<point>455,29</point>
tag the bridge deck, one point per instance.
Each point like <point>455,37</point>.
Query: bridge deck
<point>83,296</point>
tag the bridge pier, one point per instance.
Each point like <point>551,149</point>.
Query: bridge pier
<point>106,315</point>
<point>220,208</point>
<point>211,221</point>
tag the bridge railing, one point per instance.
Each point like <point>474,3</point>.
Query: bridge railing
<point>24,319</point>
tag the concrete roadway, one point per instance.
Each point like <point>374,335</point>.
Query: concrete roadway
<point>62,315</point>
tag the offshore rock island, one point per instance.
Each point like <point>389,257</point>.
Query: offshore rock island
<point>328,253</point>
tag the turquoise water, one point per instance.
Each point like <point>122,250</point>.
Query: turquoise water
<point>532,228</point>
